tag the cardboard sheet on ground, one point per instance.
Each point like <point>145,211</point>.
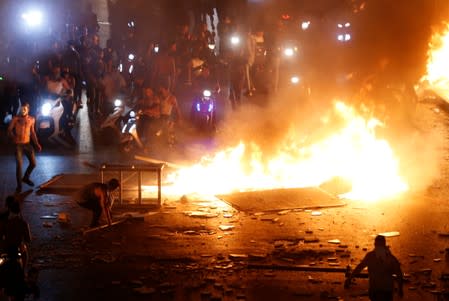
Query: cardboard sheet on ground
<point>66,182</point>
<point>282,199</point>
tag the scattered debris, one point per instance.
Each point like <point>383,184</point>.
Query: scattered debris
<point>47,224</point>
<point>48,217</point>
<point>390,234</point>
<point>226,227</point>
<point>145,290</point>
<point>238,256</point>
<point>201,214</point>
<point>334,241</point>
<point>63,217</point>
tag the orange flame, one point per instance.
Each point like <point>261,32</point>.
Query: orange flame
<point>437,76</point>
<point>352,153</point>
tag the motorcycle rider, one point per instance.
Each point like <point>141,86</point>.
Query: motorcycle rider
<point>57,86</point>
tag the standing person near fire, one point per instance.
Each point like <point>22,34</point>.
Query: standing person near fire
<point>21,130</point>
<point>382,265</point>
<point>170,113</point>
<point>97,198</point>
<point>149,123</point>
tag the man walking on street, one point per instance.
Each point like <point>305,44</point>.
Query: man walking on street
<point>382,265</point>
<point>21,130</point>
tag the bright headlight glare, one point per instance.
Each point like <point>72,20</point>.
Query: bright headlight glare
<point>211,46</point>
<point>132,114</point>
<point>118,102</point>
<point>305,25</point>
<point>46,108</point>
<point>32,18</point>
<point>289,51</point>
<point>294,79</point>
<point>207,93</point>
<point>235,40</point>
<point>131,56</point>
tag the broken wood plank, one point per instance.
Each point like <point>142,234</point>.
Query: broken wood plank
<point>152,160</point>
<point>305,268</point>
<point>103,226</point>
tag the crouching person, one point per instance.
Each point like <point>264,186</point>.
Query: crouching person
<point>97,198</point>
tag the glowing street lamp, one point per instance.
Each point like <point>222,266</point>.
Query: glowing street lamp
<point>32,18</point>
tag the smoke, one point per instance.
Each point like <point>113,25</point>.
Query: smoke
<point>399,30</point>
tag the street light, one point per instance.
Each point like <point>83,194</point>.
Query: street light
<point>32,18</point>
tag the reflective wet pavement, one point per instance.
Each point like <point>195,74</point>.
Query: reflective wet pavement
<point>202,249</point>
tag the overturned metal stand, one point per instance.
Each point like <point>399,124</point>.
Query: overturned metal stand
<point>154,168</point>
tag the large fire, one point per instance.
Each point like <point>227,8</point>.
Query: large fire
<point>352,152</point>
<point>437,76</point>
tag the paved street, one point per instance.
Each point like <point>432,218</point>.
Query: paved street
<point>204,249</point>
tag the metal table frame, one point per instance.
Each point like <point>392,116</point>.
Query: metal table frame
<point>156,168</point>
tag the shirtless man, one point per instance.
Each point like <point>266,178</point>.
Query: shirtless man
<point>21,130</point>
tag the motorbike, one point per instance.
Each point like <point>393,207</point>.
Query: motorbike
<point>203,112</point>
<point>130,139</point>
<point>12,274</point>
<point>113,123</point>
<point>55,119</point>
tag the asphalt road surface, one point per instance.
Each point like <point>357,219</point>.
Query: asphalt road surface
<point>201,249</point>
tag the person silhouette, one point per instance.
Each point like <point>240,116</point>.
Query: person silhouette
<point>382,265</point>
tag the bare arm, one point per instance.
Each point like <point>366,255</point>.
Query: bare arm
<point>103,199</point>
<point>34,136</point>
<point>11,127</point>
<point>363,264</point>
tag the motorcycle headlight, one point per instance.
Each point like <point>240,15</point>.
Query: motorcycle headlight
<point>46,108</point>
<point>305,25</point>
<point>288,51</point>
<point>132,114</point>
<point>235,40</point>
<point>294,79</point>
<point>131,56</point>
<point>207,93</point>
<point>211,46</point>
<point>118,102</point>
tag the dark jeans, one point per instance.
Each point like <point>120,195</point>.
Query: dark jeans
<point>28,150</point>
<point>381,296</point>
<point>95,207</point>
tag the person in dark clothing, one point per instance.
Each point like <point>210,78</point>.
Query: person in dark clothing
<point>97,198</point>
<point>5,212</point>
<point>237,69</point>
<point>382,265</point>
<point>16,238</point>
